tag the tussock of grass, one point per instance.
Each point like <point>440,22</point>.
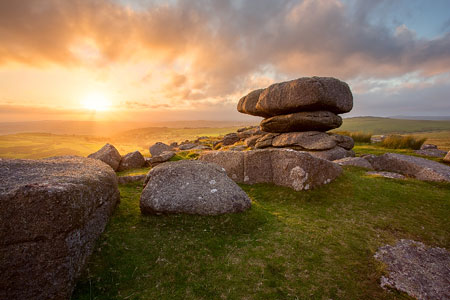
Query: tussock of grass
<point>185,155</point>
<point>358,137</point>
<point>403,142</point>
<point>317,244</point>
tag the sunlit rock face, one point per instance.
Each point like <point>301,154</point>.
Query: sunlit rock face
<point>298,113</point>
<point>51,213</point>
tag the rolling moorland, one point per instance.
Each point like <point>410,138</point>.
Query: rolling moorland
<point>316,244</point>
<point>40,145</point>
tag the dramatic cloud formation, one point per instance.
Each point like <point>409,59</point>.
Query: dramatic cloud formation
<point>194,54</point>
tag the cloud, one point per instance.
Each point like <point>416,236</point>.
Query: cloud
<point>218,49</point>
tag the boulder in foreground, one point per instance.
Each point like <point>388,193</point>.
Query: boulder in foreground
<point>420,271</point>
<point>109,155</point>
<point>51,213</point>
<point>295,169</point>
<point>191,187</point>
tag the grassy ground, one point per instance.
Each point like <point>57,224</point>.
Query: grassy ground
<point>317,244</point>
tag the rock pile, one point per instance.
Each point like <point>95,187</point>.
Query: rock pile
<point>111,156</point>
<point>297,113</point>
<point>51,213</point>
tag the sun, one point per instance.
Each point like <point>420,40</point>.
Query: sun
<point>96,101</point>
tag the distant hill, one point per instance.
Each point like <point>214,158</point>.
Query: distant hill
<point>435,118</point>
<point>103,128</point>
<point>376,125</point>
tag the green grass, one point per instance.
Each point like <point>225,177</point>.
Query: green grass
<point>376,125</point>
<point>316,244</point>
<point>358,137</point>
<point>133,172</point>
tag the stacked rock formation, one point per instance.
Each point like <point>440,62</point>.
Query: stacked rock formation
<point>298,113</point>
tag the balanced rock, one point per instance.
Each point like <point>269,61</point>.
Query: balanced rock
<point>132,160</point>
<point>294,169</point>
<point>417,167</point>
<point>192,187</point>
<point>302,121</point>
<point>247,104</point>
<point>158,148</point>
<point>109,155</point>
<point>51,213</point>
<point>309,140</point>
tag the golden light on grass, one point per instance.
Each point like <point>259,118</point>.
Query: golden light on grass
<point>96,101</point>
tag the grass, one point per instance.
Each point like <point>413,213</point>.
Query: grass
<point>402,142</point>
<point>358,137</point>
<point>317,244</point>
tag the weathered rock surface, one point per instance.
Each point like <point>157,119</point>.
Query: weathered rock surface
<point>431,152</point>
<point>265,140</point>
<point>391,175</point>
<point>251,141</point>
<point>158,148</point>
<point>192,187</point>
<point>294,169</point>
<point>447,157</point>
<point>187,146</point>
<point>332,154</point>
<point>131,178</point>
<point>420,271</point>
<point>305,94</point>
<point>109,155</point>
<point>343,141</point>
<point>132,160</point>
<point>230,139</point>
<point>354,161</point>
<point>163,157</point>
<point>417,167</point>
<point>51,213</point>
<point>302,121</point>
<point>428,146</point>
<point>250,132</point>
<point>309,140</point>
<point>247,104</point>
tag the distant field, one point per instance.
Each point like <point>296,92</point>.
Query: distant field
<point>386,125</point>
<point>40,145</point>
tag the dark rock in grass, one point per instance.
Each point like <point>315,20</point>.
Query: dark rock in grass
<point>431,152</point>
<point>247,104</point>
<point>173,144</point>
<point>417,167</point>
<point>309,140</point>
<point>302,121</point>
<point>428,147</point>
<point>187,146</point>
<point>132,178</point>
<point>109,155</point>
<point>343,141</point>
<point>158,148</point>
<point>305,94</point>
<point>354,161</point>
<point>230,139</point>
<point>132,160</point>
<point>191,187</point>
<point>51,213</point>
<point>420,271</point>
<point>294,169</point>
<point>332,154</point>
<point>163,157</point>
<point>390,175</point>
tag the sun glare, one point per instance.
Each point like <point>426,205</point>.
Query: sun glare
<point>96,101</point>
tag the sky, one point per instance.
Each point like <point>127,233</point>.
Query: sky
<point>150,60</point>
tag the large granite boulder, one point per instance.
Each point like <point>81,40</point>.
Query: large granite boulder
<point>306,94</point>
<point>51,213</point>
<point>192,187</point>
<point>132,160</point>
<point>302,121</point>
<point>295,169</point>
<point>309,140</point>
<point>158,148</point>
<point>109,155</point>
<point>420,271</point>
<point>247,104</point>
<point>417,167</point>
